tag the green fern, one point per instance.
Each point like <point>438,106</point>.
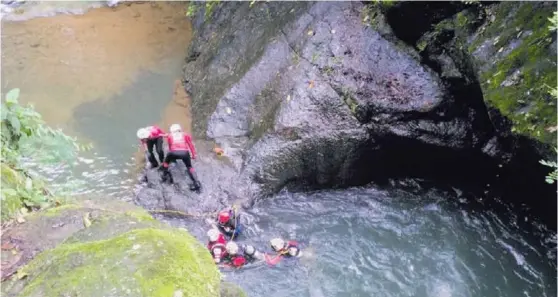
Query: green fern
<point>553,22</point>
<point>25,136</point>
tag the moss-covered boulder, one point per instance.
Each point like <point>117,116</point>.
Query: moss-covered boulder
<point>516,57</point>
<point>142,262</point>
<point>231,290</point>
<point>110,249</point>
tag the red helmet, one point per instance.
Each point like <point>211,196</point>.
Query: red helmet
<point>224,217</point>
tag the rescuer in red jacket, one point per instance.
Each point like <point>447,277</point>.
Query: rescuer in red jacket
<point>180,148</point>
<point>150,137</point>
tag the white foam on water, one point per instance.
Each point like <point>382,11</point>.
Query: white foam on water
<point>35,9</point>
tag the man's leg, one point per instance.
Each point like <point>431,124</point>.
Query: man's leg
<point>159,148</point>
<point>152,160</point>
<point>190,170</point>
<point>167,176</point>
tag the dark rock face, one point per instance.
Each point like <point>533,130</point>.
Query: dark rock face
<point>309,95</point>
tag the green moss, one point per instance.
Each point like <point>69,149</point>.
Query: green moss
<point>10,205</point>
<point>145,262</point>
<point>350,101</point>
<point>231,290</point>
<point>526,102</point>
<point>140,215</point>
<point>461,20</point>
<point>56,211</point>
<point>501,14</point>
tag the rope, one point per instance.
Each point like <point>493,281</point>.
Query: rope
<point>184,214</point>
<point>235,221</point>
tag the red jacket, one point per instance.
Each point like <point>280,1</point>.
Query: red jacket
<point>154,133</point>
<point>181,142</point>
<point>220,239</point>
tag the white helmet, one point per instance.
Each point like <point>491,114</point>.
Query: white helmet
<point>232,248</point>
<point>213,234</point>
<point>175,128</point>
<point>143,133</point>
<point>277,244</point>
<point>249,250</point>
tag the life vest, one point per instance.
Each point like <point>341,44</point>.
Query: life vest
<point>220,240</point>
<point>290,244</point>
<point>177,142</point>
<point>218,246</point>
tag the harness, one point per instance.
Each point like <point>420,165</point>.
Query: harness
<point>285,251</point>
<point>218,245</point>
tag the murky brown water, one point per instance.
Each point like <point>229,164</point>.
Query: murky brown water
<point>64,61</point>
<point>100,76</point>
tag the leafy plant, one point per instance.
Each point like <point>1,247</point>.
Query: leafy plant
<point>553,176</point>
<point>193,8</point>
<point>26,139</point>
<point>553,22</point>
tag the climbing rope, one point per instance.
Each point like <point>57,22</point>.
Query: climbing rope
<point>234,208</point>
<point>184,214</point>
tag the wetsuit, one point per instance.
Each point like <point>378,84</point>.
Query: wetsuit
<point>256,256</point>
<point>180,148</point>
<point>155,140</point>
<point>232,226</point>
<point>291,249</point>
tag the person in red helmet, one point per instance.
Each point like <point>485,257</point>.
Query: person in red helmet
<point>150,137</point>
<point>216,245</point>
<point>228,221</point>
<point>180,148</point>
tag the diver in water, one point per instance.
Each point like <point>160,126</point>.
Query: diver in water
<point>182,148</point>
<point>288,249</point>
<point>251,254</point>
<point>234,258</point>
<point>228,221</point>
<point>150,137</point>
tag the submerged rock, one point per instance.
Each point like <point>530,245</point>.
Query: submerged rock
<point>113,249</point>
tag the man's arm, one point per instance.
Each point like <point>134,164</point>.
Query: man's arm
<point>143,144</point>
<point>190,145</point>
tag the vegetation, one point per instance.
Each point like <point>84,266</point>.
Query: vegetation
<point>209,5</point>
<point>140,262</point>
<point>27,140</point>
<point>194,6</point>
<point>519,46</point>
<point>552,176</point>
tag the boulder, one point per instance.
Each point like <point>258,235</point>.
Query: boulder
<point>109,249</point>
<point>335,94</point>
<point>315,98</point>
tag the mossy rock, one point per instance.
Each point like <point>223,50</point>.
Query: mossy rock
<point>516,54</point>
<point>46,229</point>
<point>143,262</point>
<point>231,290</point>
<point>10,202</point>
